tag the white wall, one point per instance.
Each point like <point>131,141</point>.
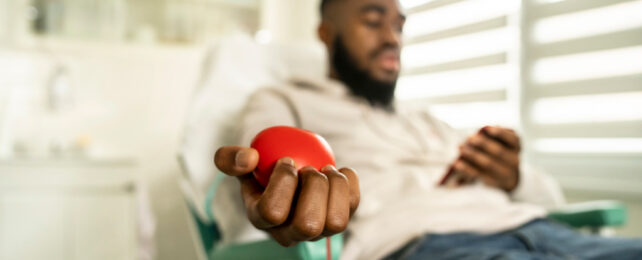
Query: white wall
<point>290,21</point>
<point>13,21</point>
<point>131,102</point>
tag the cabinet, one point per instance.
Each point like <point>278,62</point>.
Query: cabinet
<point>67,210</point>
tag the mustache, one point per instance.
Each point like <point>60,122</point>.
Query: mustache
<point>384,48</point>
<point>359,81</point>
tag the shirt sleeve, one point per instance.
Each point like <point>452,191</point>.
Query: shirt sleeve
<point>265,108</point>
<point>538,188</point>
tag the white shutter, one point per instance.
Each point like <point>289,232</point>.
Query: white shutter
<point>582,88</point>
<point>566,73</point>
<point>459,58</point>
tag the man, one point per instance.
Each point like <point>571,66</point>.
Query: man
<point>491,206</point>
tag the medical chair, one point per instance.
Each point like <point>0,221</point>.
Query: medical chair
<point>211,118</point>
<point>203,133</point>
<point>592,215</point>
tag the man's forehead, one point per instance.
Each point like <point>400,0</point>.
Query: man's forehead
<point>384,6</point>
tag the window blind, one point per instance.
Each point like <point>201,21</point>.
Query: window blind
<point>581,84</point>
<point>459,60</point>
<point>566,73</point>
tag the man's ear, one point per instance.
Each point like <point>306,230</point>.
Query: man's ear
<point>324,32</point>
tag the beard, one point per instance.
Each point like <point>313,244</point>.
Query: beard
<point>378,93</point>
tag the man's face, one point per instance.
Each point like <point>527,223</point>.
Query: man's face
<point>370,31</point>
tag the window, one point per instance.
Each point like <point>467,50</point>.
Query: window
<point>458,57</point>
<point>566,73</point>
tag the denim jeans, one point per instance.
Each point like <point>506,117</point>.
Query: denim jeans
<point>538,239</point>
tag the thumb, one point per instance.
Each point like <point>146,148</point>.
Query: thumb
<point>236,160</point>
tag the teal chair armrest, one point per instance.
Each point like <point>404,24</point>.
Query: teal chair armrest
<point>264,249</point>
<point>594,214</point>
<point>270,249</point>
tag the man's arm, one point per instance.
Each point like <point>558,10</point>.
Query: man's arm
<point>492,156</point>
<point>296,205</point>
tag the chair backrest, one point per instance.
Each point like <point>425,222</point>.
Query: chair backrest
<point>232,70</point>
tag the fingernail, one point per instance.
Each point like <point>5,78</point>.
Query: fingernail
<point>327,168</point>
<point>287,161</point>
<point>308,169</point>
<point>242,158</point>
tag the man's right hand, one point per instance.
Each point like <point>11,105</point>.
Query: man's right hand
<point>294,207</point>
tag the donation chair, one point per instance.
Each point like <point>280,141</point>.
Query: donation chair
<point>211,119</point>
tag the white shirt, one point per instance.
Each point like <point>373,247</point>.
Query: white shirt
<point>400,158</point>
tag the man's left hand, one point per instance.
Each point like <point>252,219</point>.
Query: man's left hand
<point>491,155</point>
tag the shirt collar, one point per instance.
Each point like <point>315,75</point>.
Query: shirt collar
<point>334,87</point>
<point>325,84</point>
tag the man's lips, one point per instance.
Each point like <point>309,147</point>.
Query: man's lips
<point>389,61</point>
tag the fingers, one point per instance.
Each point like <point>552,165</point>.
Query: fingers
<point>338,212</point>
<point>323,207</point>
<point>271,207</point>
<point>503,176</point>
<point>446,178</point>
<point>495,149</point>
<point>465,170</point>
<point>309,216</point>
<point>309,206</point>
<point>483,161</point>
<point>236,160</point>
<point>282,235</point>
<point>251,191</point>
<point>504,135</point>
<point>355,192</point>
<point>494,152</point>
<point>468,173</point>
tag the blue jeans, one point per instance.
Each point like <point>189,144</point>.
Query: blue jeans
<point>538,239</point>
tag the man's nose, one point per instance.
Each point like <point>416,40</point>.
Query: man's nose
<point>391,36</point>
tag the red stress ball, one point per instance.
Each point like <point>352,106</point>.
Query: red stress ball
<point>304,147</point>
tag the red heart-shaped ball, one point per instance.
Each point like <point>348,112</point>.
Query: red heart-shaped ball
<point>304,147</point>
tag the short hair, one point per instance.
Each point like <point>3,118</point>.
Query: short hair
<point>324,3</point>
